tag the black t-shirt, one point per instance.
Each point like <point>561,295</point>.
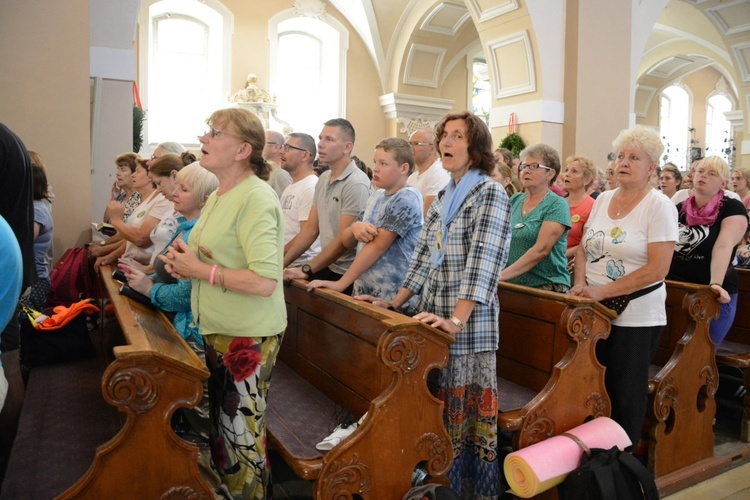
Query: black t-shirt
<point>16,197</point>
<point>691,260</point>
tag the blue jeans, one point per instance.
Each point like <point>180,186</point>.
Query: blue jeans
<point>721,326</point>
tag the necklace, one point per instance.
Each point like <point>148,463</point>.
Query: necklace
<point>524,212</point>
<point>620,208</point>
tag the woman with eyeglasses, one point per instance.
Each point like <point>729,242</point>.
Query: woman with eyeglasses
<point>539,221</point>
<point>625,251</point>
<point>454,270</point>
<point>234,258</point>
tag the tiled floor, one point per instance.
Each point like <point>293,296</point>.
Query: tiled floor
<point>732,485</point>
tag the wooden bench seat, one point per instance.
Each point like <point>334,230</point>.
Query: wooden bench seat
<point>340,355</point>
<point>549,380</point>
<point>681,394</point>
<point>735,350</point>
<point>133,454</point>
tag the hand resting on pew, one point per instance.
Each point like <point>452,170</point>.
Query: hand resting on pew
<point>435,321</point>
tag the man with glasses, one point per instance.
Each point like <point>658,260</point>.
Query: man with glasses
<point>297,159</point>
<point>430,177</point>
<point>340,195</point>
<point>279,179</point>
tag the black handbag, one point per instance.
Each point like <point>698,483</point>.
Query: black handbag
<point>619,303</point>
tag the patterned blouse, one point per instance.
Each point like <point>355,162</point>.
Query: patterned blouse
<point>133,201</point>
<point>476,250</point>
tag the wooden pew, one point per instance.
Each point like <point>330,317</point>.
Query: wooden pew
<point>153,373</point>
<point>340,355</point>
<point>735,350</point>
<point>681,395</point>
<point>549,379</point>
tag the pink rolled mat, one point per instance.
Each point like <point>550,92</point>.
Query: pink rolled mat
<point>543,465</point>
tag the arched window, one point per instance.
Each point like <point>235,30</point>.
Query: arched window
<point>718,128</point>
<point>481,98</point>
<point>185,69</point>
<point>674,125</point>
<point>308,70</point>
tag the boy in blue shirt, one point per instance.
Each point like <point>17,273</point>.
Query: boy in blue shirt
<point>386,232</point>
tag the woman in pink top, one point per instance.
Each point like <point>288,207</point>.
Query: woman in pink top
<point>579,175</point>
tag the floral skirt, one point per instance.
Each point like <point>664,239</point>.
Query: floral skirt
<point>238,387</point>
<point>468,388</point>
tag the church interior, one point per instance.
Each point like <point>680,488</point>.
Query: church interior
<point>568,73</point>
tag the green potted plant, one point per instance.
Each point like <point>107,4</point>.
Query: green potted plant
<point>139,116</point>
<point>514,143</point>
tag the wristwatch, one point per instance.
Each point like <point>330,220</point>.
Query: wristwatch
<point>458,323</point>
<point>307,270</point>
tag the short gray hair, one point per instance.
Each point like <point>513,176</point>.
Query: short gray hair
<point>172,147</point>
<point>641,137</point>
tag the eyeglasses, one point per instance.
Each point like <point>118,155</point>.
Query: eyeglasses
<point>287,147</point>
<point>214,132</point>
<point>269,143</point>
<point>415,144</point>
<point>532,166</point>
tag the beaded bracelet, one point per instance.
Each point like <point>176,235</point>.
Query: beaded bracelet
<point>212,276</point>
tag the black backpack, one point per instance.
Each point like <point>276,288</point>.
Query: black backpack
<point>609,475</point>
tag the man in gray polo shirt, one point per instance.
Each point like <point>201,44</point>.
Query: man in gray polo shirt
<point>340,195</point>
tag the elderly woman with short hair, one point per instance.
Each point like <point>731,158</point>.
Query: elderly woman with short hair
<point>539,221</point>
<point>626,251</point>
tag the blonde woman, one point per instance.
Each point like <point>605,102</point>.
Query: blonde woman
<point>626,250</point>
<point>579,174</point>
<point>711,226</point>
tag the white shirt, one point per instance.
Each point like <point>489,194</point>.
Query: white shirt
<point>296,202</point>
<point>615,247</point>
<point>157,206</point>
<point>432,181</point>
